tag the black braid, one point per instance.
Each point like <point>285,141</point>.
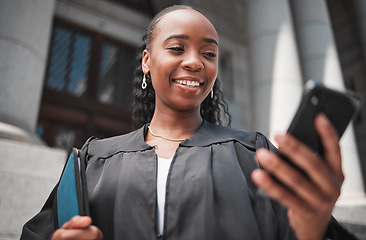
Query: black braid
<point>143,104</point>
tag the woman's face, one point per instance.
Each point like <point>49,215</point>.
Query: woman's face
<point>182,59</point>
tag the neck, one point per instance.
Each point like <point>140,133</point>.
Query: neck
<point>177,124</point>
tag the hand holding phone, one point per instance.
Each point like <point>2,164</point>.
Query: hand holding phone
<point>309,190</point>
<point>339,108</point>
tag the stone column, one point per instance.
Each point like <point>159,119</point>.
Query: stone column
<point>274,64</point>
<point>320,61</point>
<point>24,37</point>
<point>360,9</point>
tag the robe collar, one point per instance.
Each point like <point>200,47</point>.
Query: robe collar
<point>207,134</point>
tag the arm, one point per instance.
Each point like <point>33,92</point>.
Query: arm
<point>45,223</point>
<point>42,225</point>
<point>309,200</point>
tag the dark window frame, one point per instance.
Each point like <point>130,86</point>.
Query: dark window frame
<point>85,114</point>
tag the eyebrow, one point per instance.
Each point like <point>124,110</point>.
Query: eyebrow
<point>182,36</point>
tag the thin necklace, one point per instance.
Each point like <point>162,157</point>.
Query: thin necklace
<point>169,139</point>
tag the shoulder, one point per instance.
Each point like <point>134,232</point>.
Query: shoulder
<point>130,142</point>
<point>210,133</point>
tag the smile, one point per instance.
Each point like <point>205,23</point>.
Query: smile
<point>188,83</point>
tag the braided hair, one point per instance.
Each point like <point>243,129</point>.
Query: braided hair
<point>143,104</point>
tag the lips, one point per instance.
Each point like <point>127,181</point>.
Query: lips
<point>189,82</point>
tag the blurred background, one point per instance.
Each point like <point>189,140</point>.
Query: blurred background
<point>66,69</point>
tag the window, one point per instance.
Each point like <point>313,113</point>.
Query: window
<point>87,87</point>
<point>69,61</point>
<point>115,68</point>
<point>81,61</point>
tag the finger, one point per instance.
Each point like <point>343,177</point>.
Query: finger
<point>299,153</point>
<point>89,233</point>
<point>294,180</point>
<point>100,235</point>
<point>279,193</point>
<point>78,222</point>
<point>312,164</point>
<point>299,209</point>
<point>329,138</point>
<point>95,233</point>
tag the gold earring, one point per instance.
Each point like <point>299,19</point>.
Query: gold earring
<point>212,93</point>
<point>144,84</point>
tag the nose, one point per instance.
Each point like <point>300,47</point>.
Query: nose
<point>192,62</point>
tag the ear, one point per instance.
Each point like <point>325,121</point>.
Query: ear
<point>145,61</point>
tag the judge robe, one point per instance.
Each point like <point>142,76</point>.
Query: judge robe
<point>209,191</point>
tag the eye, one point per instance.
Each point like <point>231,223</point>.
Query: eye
<point>210,54</point>
<point>176,49</point>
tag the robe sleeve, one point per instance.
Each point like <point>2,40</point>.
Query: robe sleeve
<point>42,226</point>
<point>284,230</point>
<point>336,232</point>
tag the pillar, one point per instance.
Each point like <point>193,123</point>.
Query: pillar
<point>274,64</point>
<point>24,37</point>
<point>320,61</point>
<point>360,9</point>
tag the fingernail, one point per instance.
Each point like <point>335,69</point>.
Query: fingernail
<point>322,118</point>
<point>281,139</point>
<point>256,173</point>
<point>262,155</point>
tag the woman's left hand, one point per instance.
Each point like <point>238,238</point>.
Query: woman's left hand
<point>310,200</point>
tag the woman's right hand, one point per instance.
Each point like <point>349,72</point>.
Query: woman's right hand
<point>79,227</point>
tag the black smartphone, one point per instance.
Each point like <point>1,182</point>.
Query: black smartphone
<point>339,107</point>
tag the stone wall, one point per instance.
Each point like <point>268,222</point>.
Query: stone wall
<point>28,173</point>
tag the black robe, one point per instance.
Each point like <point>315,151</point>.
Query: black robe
<point>209,192</point>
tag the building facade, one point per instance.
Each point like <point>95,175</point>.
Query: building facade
<point>67,68</point>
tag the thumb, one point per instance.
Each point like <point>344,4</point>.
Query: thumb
<point>78,222</point>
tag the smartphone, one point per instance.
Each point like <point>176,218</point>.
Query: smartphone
<point>339,107</point>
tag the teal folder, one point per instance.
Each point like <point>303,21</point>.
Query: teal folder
<point>72,198</point>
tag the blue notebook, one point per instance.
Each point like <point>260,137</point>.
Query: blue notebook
<point>72,196</point>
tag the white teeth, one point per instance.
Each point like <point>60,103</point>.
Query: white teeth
<point>188,83</point>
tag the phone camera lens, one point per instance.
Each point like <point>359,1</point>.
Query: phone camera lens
<point>314,100</point>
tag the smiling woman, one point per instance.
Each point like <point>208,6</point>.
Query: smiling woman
<point>183,176</point>
<point>189,54</point>
<point>176,44</point>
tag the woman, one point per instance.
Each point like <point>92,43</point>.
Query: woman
<point>180,176</point>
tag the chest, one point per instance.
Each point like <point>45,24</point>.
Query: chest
<point>163,148</point>
<point>205,186</point>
